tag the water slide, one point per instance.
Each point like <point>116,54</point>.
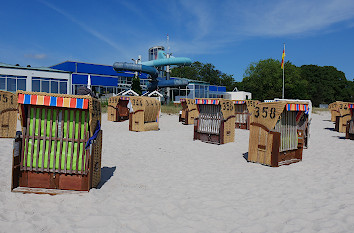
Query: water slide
<point>124,66</point>
<point>160,82</point>
<point>162,60</point>
<point>149,68</point>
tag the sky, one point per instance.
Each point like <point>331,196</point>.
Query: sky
<point>230,34</point>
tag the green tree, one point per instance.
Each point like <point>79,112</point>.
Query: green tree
<point>204,72</point>
<point>264,79</point>
<point>136,85</point>
<point>326,84</point>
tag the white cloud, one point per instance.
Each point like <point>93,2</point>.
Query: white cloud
<point>295,17</point>
<point>36,56</point>
<point>88,29</point>
<point>207,27</point>
<point>212,25</point>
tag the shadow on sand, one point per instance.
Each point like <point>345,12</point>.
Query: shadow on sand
<point>245,156</point>
<point>106,174</point>
<point>340,137</point>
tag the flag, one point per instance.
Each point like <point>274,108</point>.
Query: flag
<point>282,58</point>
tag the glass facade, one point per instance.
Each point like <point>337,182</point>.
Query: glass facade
<point>99,90</point>
<point>49,85</point>
<point>12,83</point>
<point>198,90</point>
<point>124,83</point>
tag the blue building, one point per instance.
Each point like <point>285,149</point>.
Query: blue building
<point>39,79</point>
<point>104,80</point>
<point>68,76</point>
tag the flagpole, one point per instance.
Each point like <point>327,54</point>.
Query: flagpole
<point>283,96</point>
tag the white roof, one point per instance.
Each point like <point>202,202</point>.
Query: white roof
<point>128,92</point>
<point>155,93</point>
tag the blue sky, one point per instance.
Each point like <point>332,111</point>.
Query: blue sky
<point>230,34</point>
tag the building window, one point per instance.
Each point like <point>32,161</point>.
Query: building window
<point>12,83</point>
<point>36,85</point>
<point>2,83</point>
<point>49,85</point>
<point>53,86</point>
<point>45,86</point>
<point>63,88</point>
<point>21,84</point>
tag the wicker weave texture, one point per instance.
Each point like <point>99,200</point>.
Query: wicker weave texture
<point>188,105</point>
<point>8,114</point>
<point>96,156</point>
<point>228,114</point>
<point>260,145</point>
<point>145,110</point>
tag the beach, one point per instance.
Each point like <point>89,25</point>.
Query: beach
<point>163,181</point>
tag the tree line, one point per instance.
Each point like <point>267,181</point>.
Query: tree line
<point>264,79</point>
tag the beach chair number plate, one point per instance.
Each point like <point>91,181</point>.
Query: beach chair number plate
<point>265,112</point>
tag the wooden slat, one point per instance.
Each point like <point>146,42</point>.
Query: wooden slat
<point>50,135</point>
<point>44,138</point>
<point>61,139</point>
<point>88,154</point>
<point>25,142</point>
<point>258,142</point>
<point>72,144</point>
<point>78,144</point>
<point>32,136</point>
<point>67,140</point>
<point>83,164</point>
<point>26,190</point>
<point>39,141</point>
<point>55,139</point>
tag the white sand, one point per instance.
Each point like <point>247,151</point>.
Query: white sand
<point>163,181</point>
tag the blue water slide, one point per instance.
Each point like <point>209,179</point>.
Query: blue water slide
<point>162,60</point>
<point>173,83</point>
<point>124,66</point>
<point>169,61</point>
<point>161,83</point>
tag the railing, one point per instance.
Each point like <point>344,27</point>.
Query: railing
<point>54,140</point>
<point>210,118</point>
<point>241,113</point>
<point>287,127</point>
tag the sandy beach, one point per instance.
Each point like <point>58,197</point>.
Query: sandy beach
<point>163,181</point>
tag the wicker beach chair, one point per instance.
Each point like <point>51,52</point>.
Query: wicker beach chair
<point>61,143</point>
<point>277,133</point>
<point>216,121</point>
<point>8,114</point>
<point>243,111</point>
<point>342,116</point>
<point>144,113</point>
<point>189,111</point>
<point>349,133</point>
<point>118,109</point>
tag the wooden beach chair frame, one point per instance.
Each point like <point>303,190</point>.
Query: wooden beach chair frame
<point>8,114</point>
<point>189,111</point>
<point>349,132</point>
<point>272,141</point>
<point>117,109</point>
<point>50,155</point>
<point>144,114</point>
<point>333,107</point>
<point>243,111</point>
<point>343,116</point>
<point>216,126</point>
